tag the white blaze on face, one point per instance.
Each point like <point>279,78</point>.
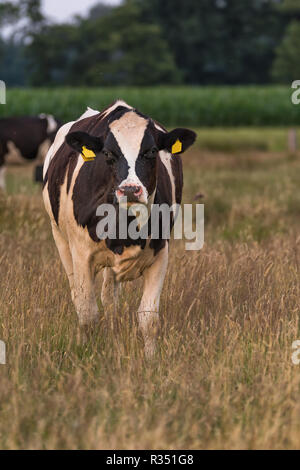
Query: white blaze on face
<point>129,132</point>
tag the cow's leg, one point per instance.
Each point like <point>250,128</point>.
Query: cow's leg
<point>65,256</point>
<point>148,313</point>
<point>84,297</point>
<point>110,294</point>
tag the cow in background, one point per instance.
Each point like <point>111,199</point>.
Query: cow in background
<point>132,157</point>
<point>25,139</point>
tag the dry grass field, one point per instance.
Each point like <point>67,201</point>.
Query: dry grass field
<point>223,377</point>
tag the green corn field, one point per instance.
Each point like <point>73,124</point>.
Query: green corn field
<point>188,106</point>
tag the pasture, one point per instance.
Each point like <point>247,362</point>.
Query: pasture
<point>223,377</point>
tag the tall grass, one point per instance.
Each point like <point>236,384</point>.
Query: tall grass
<point>189,106</point>
<point>223,377</point>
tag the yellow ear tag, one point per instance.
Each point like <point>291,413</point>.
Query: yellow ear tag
<point>88,155</point>
<point>177,147</point>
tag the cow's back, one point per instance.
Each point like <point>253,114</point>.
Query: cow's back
<point>22,137</point>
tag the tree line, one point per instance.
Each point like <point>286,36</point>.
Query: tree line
<point>150,42</point>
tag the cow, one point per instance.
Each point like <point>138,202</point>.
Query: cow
<point>133,157</point>
<point>25,139</point>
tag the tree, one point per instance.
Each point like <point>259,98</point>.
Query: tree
<point>286,64</point>
<point>219,41</point>
<point>32,10</point>
<point>119,48</point>
<point>99,10</point>
<point>291,6</point>
<point>12,12</point>
<point>50,63</point>
<point>9,13</point>
<point>13,62</point>
<point>148,42</point>
<point>286,67</point>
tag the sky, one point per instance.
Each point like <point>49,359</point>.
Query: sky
<point>62,10</point>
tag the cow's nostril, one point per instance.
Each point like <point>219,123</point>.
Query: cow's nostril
<point>138,191</point>
<point>130,191</point>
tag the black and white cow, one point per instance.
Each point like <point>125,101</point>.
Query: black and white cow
<point>133,159</point>
<point>25,138</point>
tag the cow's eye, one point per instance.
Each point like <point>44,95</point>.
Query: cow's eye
<point>110,157</point>
<point>151,153</point>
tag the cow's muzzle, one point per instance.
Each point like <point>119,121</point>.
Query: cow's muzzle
<point>131,192</point>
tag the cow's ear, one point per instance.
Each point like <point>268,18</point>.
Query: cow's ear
<point>85,144</point>
<point>177,141</point>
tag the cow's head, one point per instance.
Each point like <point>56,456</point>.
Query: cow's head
<point>52,125</point>
<point>131,147</point>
